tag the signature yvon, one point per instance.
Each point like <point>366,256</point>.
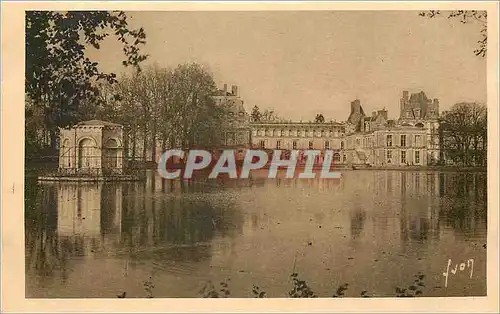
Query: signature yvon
<point>463,266</point>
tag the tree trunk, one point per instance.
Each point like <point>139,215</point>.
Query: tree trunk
<point>144,146</point>
<point>164,143</point>
<point>153,140</point>
<point>126,140</point>
<point>134,143</point>
<point>53,139</point>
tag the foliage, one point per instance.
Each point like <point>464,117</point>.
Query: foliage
<point>60,79</point>
<point>174,106</point>
<point>341,291</point>
<point>465,17</point>
<point>269,116</point>
<point>255,116</point>
<point>319,118</point>
<point>415,289</point>
<point>148,287</point>
<point>210,291</point>
<point>194,110</point>
<point>257,292</point>
<point>463,134</point>
<point>300,288</point>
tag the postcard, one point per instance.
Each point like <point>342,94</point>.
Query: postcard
<point>282,156</point>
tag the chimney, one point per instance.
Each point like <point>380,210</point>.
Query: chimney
<point>225,89</point>
<point>405,95</point>
<point>234,89</point>
<point>383,113</point>
<point>356,106</point>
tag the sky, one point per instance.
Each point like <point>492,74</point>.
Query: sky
<point>303,63</point>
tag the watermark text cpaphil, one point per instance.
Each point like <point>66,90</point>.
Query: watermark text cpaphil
<point>226,162</point>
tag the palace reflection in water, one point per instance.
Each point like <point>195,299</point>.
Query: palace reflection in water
<point>372,229</point>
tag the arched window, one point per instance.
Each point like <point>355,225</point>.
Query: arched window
<point>336,157</point>
<point>86,153</point>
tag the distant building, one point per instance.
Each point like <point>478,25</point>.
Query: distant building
<point>418,110</point>
<point>378,120</point>
<point>298,135</point>
<point>418,107</point>
<point>379,141</point>
<point>392,146</point>
<point>374,139</point>
<point>236,131</point>
<point>91,147</point>
<point>356,117</point>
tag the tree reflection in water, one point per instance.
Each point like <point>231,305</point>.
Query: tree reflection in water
<point>189,226</point>
<point>170,219</point>
<point>463,204</point>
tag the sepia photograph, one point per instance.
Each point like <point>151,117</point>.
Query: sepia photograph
<point>280,154</point>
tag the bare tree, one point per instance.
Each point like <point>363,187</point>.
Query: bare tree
<point>194,113</point>
<point>464,134</point>
<point>465,17</point>
<point>174,107</point>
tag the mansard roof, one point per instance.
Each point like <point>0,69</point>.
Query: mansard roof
<point>418,97</point>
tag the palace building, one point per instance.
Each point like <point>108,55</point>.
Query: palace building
<point>237,130</point>
<point>375,140</point>
<point>363,139</point>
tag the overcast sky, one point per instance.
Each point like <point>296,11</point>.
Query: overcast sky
<point>303,63</point>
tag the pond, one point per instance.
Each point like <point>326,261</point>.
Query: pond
<point>374,230</point>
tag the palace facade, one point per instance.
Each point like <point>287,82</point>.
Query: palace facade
<point>375,140</point>
<point>363,139</point>
<point>237,129</point>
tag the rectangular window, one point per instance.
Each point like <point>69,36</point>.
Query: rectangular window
<point>278,144</point>
<point>327,145</point>
<point>310,145</point>
<point>403,140</point>
<point>417,156</point>
<point>403,157</point>
<point>294,145</point>
<point>262,144</point>
<point>389,154</point>
<point>342,145</point>
<point>418,140</point>
<point>358,141</point>
<point>389,140</point>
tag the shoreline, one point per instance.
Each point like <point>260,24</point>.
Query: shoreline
<point>35,173</point>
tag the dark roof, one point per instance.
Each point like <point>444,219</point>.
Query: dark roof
<point>418,97</point>
<point>97,123</point>
<point>285,123</point>
<point>220,92</point>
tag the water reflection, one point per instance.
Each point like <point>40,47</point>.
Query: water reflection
<point>257,227</point>
<point>65,221</point>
